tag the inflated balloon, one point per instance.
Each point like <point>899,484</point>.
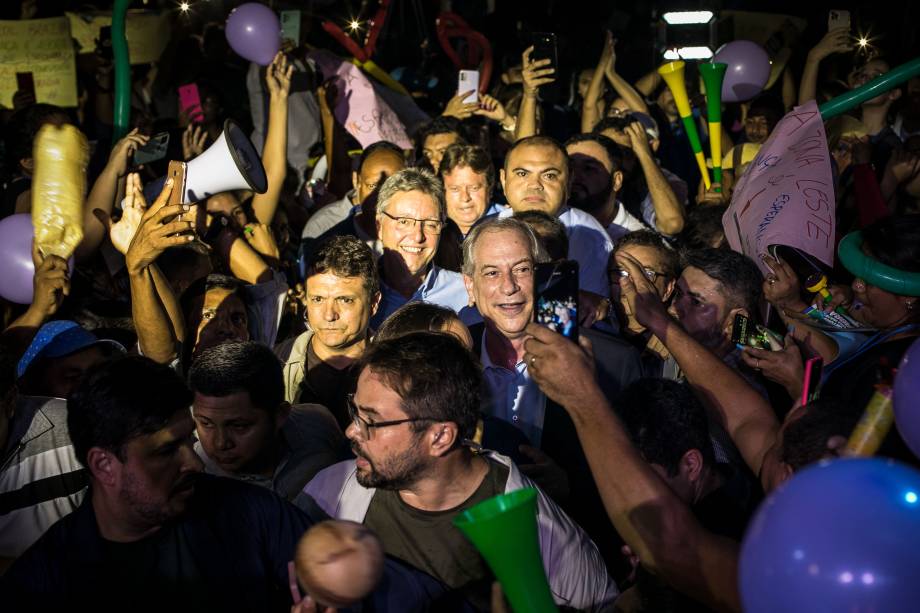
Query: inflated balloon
<point>876,87</point>
<point>254,32</point>
<point>58,186</point>
<point>748,70</point>
<point>122,108</point>
<point>838,536</point>
<point>907,398</point>
<point>16,267</point>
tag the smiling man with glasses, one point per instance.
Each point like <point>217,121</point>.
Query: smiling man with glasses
<point>414,412</point>
<point>410,217</point>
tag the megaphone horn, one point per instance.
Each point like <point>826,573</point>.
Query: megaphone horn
<point>230,163</point>
<point>504,530</point>
<point>713,75</point>
<point>673,75</point>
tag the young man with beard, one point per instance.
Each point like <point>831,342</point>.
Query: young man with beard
<point>415,411</point>
<point>597,176</point>
<point>154,534</point>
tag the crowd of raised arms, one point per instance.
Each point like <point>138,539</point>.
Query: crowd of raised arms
<point>277,321</point>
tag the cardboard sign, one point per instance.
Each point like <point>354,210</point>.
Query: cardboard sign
<point>42,47</point>
<point>147,33</point>
<point>786,197</point>
<point>359,108</point>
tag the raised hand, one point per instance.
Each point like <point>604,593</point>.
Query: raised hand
<point>642,299</point>
<point>491,108</point>
<point>534,72</point>
<point>782,287</point>
<point>456,107</point>
<point>278,76</point>
<point>193,141</point>
<point>837,40</point>
<point>160,228</point>
<point>50,284</point>
<point>120,157</point>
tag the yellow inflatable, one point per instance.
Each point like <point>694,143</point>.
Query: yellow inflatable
<point>58,189</point>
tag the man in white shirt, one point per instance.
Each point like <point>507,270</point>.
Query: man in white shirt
<point>596,163</point>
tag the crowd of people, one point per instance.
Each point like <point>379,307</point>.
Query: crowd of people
<point>204,381</point>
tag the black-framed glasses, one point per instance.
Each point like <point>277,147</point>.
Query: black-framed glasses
<point>429,226</point>
<point>365,427</point>
<point>651,275</point>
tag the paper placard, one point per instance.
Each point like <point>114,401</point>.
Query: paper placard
<point>44,48</point>
<point>147,33</point>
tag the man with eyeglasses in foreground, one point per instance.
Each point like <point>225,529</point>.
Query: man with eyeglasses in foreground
<point>414,414</point>
<point>411,214</point>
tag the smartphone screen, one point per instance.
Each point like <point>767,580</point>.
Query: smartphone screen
<point>468,81</point>
<point>544,47</point>
<point>190,102</point>
<point>25,82</point>
<point>838,19</point>
<point>290,26</point>
<point>154,150</point>
<point>812,380</point>
<point>556,301</point>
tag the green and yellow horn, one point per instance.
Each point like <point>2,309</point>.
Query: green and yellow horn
<point>713,74</point>
<point>673,75</point>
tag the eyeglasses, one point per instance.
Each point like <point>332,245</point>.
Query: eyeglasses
<point>650,274</point>
<point>429,226</point>
<point>365,427</point>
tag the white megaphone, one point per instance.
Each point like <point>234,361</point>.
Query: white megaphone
<point>231,163</point>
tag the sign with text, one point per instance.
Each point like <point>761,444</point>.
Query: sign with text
<point>147,33</point>
<point>358,107</point>
<point>786,196</point>
<point>44,48</point>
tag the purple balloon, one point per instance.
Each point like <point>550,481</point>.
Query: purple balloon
<point>16,268</point>
<point>907,398</point>
<point>838,536</point>
<point>254,32</point>
<point>748,70</point>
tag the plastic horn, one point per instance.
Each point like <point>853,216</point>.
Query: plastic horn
<point>877,86</point>
<point>504,530</point>
<point>673,75</point>
<point>122,71</point>
<point>713,74</point>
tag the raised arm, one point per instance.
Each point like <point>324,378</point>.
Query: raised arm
<point>659,528</point>
<point>627,92</point>
<point>274,154</point>
<point>743,412</point>
<point>534,74</point>
<point>669,211</point>
<point>109,187</point>
<point>590,114</point>
<point>835,41</point>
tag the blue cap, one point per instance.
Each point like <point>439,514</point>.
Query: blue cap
<point>57,339</point>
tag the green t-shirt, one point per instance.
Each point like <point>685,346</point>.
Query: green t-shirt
<point>429,541</point>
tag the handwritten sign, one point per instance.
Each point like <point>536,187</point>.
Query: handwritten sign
<point>786,197</point>
<point>147,33</point>
<point>358,107</point>
<point>42,47</point>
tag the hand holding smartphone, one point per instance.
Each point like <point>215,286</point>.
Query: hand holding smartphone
<point>190,103</point>
<point>838,19</point>
<point>468,81</point>
<point>556,297</point>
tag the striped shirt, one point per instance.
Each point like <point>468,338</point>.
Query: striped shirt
<point>41,480</point>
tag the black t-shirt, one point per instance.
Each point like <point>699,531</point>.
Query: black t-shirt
<point>328,386</point>
<point>429,540</point>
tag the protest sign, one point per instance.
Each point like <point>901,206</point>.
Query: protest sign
<point>786,197</point>
<point>147,33</point>
<point>44,48</point>
<point>358,107</point>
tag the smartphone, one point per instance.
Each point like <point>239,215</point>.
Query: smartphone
<point>290,26</point>
<point>838,19</point>
<point>154,150</point>
<point>556,297</point>
<point>25,82</point>
<point>190,102</point>
<point>544,47</point>
<point>468,81</point>
<point>812,380</point>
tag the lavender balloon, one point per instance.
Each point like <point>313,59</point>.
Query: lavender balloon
<point>254,32</point>
<point>748,70</point>
<point>838,536</point>
<point>907,398</point>
<point>16,268</point>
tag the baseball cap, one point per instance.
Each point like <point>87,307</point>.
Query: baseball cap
<point>57,339</point>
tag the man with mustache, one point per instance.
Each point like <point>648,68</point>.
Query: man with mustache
<point>155,534</point>
<point>414,414</point>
